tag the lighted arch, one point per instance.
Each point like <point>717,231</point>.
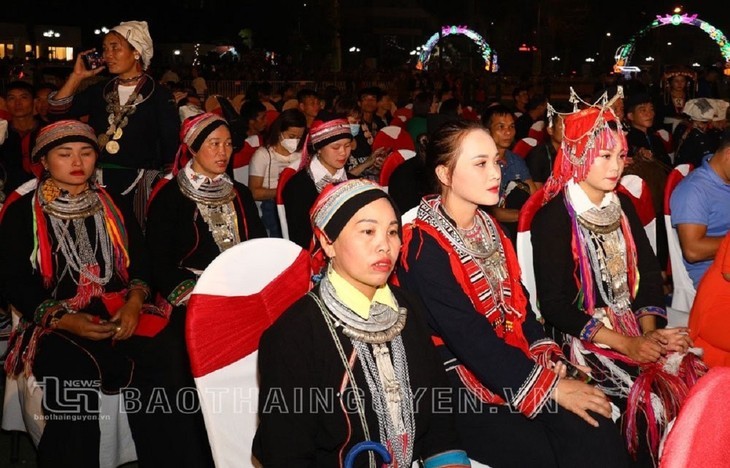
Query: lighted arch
<point>489,56</point>
<point>624,52</point>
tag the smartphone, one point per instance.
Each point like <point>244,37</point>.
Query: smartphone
<point>92,60</point>
<point>572,371</point>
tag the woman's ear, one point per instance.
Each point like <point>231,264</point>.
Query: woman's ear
<point>442,173</point>
<point>327,246</point>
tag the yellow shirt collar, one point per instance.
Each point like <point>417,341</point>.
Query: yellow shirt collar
<point>356,300</point>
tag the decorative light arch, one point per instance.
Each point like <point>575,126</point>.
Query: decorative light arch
<point>489,56</point>
<point>624,52</point>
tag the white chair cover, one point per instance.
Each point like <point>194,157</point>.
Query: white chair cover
<point>241,293</point>
<point>683,288</point>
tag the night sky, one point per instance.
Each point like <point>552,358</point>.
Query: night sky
<point>578,26</point>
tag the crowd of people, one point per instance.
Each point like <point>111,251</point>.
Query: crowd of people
<point>118,195</point>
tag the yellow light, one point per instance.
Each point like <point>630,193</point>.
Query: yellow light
<point>677,9</point>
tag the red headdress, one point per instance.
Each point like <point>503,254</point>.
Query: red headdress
<point>585,133</point>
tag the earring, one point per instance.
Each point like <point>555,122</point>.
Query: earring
<point>136,56</point>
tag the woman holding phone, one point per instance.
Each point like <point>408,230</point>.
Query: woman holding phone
<point>135,120</point>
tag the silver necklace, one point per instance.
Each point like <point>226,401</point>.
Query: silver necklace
<point>77,250</point>
<point>602,220</point>
<point>389,383</point>
<point>214,200</point>
<point>383,325</point>
<point>67,206</point>
<point>607,253</point>
<point>217,192</point>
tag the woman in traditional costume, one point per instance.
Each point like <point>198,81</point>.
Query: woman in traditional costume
<point>351,361</point>
<point>72,263</point>
<point>514,404</point>
<point>192,218</point>
<point>324,157</point>
<point>599,284</point>
<point>135,119</point>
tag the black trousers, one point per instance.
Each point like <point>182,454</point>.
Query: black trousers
<point>502,438</point>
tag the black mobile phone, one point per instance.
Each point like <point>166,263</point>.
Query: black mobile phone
<point>92,60</point>
<point>572,371</point>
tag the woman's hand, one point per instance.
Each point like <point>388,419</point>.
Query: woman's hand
<point>560,368</point>
<point>379,156</point>
<point>127,317</point>
<point>671,339</point>
<point>86,326</point>
<point>579,397</point>
<point>80,71</point>
<point>642,349</point>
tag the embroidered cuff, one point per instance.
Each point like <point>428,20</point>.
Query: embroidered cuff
<point>139,285</point>
<point>542,350</point>
<point>58,105</point>
<point>590,329</point>
<point>450,458</point>
<point>50,312</point>
<point>650,310</point>
<point>181,293</point>
<point>535,391</point>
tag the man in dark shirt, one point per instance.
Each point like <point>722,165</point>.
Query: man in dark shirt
<point>541,159</point>
<point>648,159</point>
<point>642,138</point>
<point>22,130</point>
<point>534,111</point>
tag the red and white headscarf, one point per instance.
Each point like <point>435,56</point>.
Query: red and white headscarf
<point>321,134</point>
<point>193,132</point>
<point>585,133</point>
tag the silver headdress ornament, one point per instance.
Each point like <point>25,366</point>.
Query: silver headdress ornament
<point>603,103</point>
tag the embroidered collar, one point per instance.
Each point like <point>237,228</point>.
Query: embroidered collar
<point>197,180</point>
<point>319,172</point>
<point>357,301</point>
<point>580,201</point>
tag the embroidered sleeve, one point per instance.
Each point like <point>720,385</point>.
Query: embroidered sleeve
<point>542,351</point>
<point>49,312</point>
<point>535,391</point>
<point>590,329</point>
<point>181,293</point>
<point>59,106</point>
<point>452,458</point>
<point>139,285</point>
<point>650,310</point>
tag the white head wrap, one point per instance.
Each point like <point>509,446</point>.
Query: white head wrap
<point>720,106</point>
<point>138,35</point>
<point>699,110</point>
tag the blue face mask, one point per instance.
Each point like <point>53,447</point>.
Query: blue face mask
<point>354,129</point>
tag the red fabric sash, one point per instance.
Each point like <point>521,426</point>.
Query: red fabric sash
<point>151,319</point>
<point>221,330</point>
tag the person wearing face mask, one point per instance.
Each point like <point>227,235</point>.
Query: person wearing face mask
<point>363,162</point>
<point>281,148</point>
